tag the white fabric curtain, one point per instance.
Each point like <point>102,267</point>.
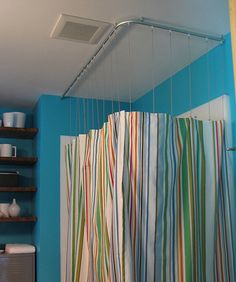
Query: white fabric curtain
<point>148,199</point>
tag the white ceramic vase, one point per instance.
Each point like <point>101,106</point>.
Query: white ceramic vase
<point>14,209</point>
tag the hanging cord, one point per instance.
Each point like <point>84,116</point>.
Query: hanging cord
<point>70,120</point>
<point>116,76</point>
<point>171,76</point>
<point>99,123</point>
<point>92,100</point>
<point>208,79</point>
<point>97,101</point>
<point>190,74</point>
<point>98,117</point>
<point>103,110</point>
<point>153,66</point>
<point>104,90</point>
<point>93,127</point>
<point>223,78</point>
<point>112,85</point>
<point>76,116</point>
<point>103,86</point>
<point>130,63</point>
<point>84,111</point>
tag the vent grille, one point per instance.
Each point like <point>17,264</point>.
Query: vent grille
<point>79,29</point>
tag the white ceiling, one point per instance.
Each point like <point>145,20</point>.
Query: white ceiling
<point>31,63</point>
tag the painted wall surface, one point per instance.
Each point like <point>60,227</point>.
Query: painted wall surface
<point>55,117</point>
<point>19,232</point>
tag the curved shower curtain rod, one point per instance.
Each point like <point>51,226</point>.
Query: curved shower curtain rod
<point>137,21</point>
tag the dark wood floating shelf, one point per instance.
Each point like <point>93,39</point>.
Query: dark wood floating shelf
<point>19,219</point>
<point>18,189</point>
<point>18,160</point>
<point>21,133</point>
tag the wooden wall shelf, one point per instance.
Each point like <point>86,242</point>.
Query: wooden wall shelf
<point>20,133</point>
<point>18,160</point>
<point>19,219</point>
<point>18,189</point>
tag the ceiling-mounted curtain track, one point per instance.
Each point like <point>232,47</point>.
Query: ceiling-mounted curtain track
<point>136,21</point>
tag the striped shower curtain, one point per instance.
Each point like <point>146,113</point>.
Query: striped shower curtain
<point>148,200</point>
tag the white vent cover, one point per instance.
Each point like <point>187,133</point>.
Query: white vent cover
<point>79,29</point>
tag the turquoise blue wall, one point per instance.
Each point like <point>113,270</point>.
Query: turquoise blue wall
<point>19,232</point>
<point>55,117</point>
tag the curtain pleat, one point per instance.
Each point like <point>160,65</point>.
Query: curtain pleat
<point>148,199</point>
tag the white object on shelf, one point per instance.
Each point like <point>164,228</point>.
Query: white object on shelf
<point>14,119</point>
<point>14,209</point>
<point>19,119</point>
<point>8,119</point>
<point>4,210</point>
<point>19,249</point>
<point>7,150</point>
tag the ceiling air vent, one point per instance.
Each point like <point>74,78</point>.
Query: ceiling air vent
<point>79,29</point>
